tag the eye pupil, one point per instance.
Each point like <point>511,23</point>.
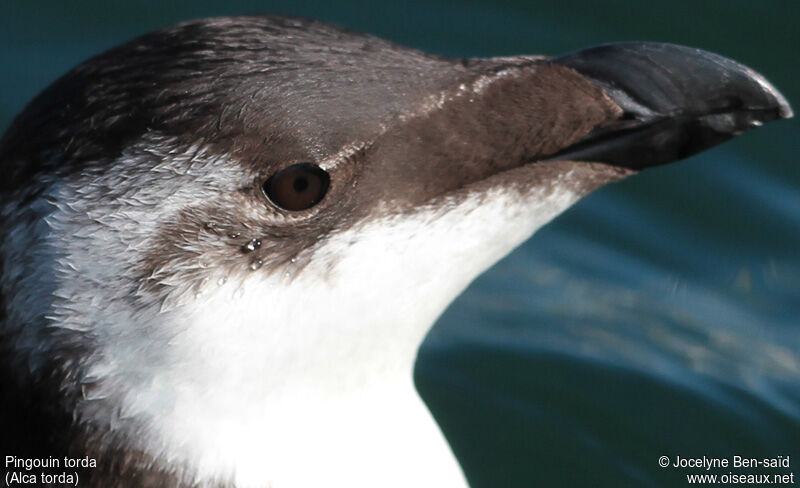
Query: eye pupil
<point>300,184</point>
<point>297,187</point>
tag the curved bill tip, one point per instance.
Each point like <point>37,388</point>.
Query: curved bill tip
<point>784,109</point>
<point>668,78</point>
<point>676,101</point>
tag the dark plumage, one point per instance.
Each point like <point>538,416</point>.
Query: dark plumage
<point>162,147</point>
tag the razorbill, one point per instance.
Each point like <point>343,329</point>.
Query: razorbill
<point>223,242</point>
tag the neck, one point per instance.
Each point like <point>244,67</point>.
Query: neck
<point>260,399</point>
<point>265,377</point>
<point>302,377</point>
<point>379,436</point>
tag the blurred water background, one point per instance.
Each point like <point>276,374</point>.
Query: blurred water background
<point>660,316</point>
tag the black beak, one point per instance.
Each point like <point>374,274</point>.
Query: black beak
<point>676,100</point>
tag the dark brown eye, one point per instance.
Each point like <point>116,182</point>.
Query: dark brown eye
<point>297,187</point>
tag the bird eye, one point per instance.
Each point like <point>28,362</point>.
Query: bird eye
<point>297,187</point>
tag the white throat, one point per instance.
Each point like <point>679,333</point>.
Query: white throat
<point>305,380</point>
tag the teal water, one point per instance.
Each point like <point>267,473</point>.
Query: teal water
<point>660,316</point>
